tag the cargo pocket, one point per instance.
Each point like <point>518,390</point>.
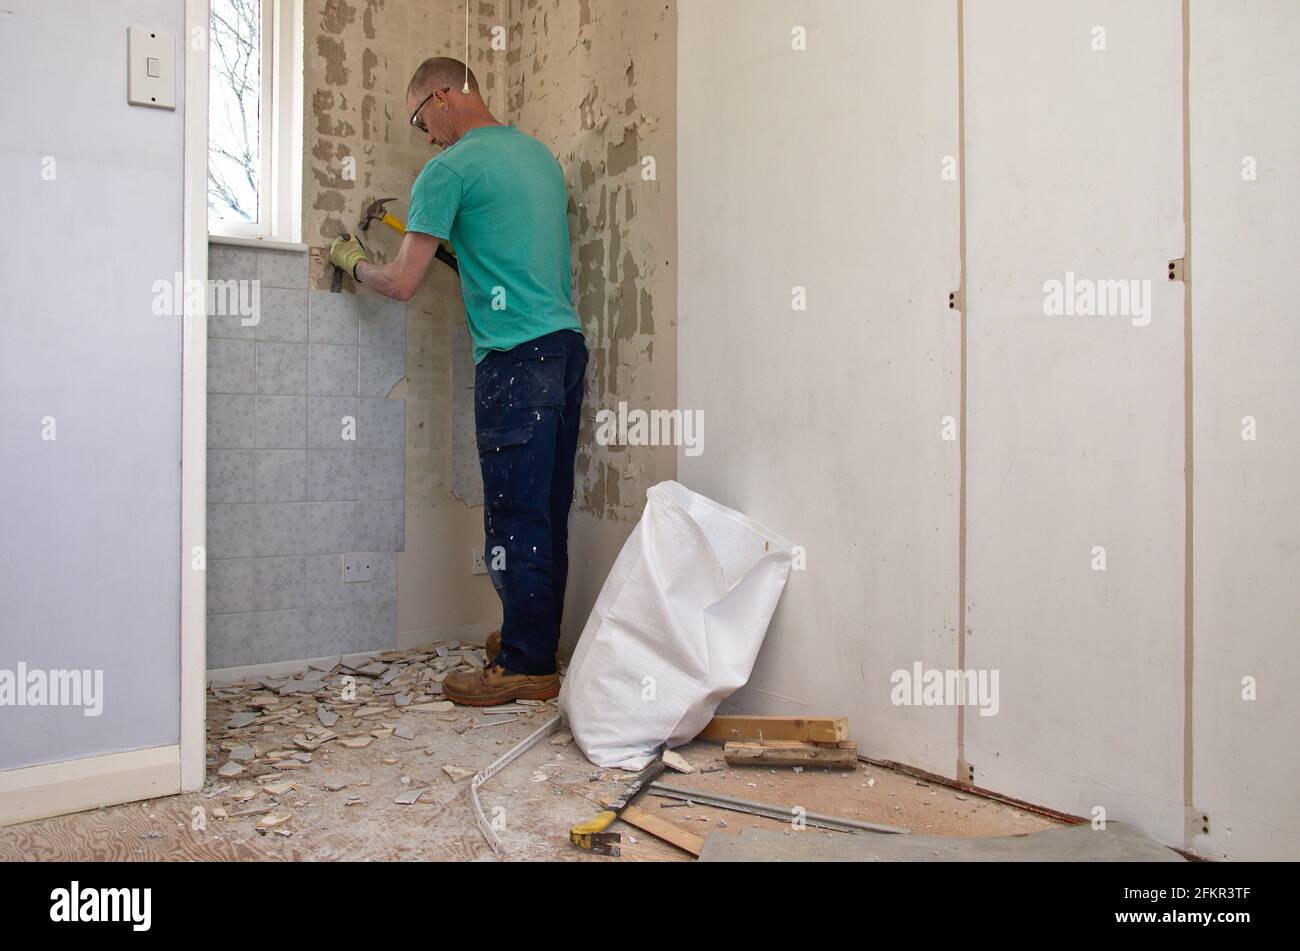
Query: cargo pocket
<point>500,453</point>
<point>538,379</point>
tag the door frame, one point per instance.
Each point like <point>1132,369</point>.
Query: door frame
<point>194,404</point>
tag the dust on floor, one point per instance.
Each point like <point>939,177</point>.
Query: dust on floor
<point>388,780</point>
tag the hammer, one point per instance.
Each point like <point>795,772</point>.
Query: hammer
<point>591,835</point>
<point>375,211</point>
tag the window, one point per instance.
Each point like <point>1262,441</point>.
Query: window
<point>255,120</point>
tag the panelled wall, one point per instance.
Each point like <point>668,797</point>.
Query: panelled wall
<point>1126,627</point>
<point>305,465</point>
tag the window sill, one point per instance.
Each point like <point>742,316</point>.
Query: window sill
<point>256,243</point>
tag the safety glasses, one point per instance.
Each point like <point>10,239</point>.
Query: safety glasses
<point>416,121</point>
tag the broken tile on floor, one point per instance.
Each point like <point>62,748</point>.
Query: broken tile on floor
<point>435,706</point>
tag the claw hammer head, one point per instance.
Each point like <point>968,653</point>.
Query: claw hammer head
<point>375,211</point>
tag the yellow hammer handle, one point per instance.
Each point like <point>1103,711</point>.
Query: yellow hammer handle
<point>580,835</point>
<point>394,223</point>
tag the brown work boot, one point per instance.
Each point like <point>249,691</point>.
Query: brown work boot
<point>495,684</point>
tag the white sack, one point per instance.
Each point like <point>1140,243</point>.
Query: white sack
<point>676,628</point>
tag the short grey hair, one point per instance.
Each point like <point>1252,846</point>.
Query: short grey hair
<point>437,72</point>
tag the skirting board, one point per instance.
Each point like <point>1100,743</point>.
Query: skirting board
<point>54,789</point>
<point>280,668</point>
<point>468,633</point>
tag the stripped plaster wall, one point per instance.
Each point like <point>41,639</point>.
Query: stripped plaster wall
<point>358,146</point>
<point>596,81</point>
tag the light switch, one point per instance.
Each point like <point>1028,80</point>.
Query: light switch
<point>151,68</point>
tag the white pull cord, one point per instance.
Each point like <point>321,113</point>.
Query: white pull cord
<point>465,90</point>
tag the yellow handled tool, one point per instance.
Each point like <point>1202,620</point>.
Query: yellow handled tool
<point>591,835</point>
<point>393,223</point>
<point>375,211</point>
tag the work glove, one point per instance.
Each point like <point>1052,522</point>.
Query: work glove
<point>347,253</point>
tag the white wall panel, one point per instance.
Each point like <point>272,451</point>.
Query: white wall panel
<point>822,169</point>
<point>1245,83</point>
<point>1075,423</point>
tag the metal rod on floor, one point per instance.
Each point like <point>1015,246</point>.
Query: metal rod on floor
<point>834,823</point>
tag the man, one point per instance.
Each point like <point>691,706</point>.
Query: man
<point>499,197</point>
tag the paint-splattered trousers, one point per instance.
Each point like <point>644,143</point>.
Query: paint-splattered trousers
<point>527,407</point>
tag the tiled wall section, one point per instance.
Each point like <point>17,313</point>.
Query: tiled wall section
<point>291,488</point>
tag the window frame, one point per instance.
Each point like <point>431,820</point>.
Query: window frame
<point>279,194</point>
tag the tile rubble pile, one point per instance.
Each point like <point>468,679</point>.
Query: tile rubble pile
<point>265,729</point>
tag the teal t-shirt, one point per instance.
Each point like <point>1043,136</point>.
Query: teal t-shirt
<point>498,195</point>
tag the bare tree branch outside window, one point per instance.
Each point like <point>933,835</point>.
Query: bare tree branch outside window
<point>234,109</point>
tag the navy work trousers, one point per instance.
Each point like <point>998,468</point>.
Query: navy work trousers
<point>527,406</point>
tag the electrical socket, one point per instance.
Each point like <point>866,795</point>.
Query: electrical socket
<point>477,565</point>
<point>358,567</point>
